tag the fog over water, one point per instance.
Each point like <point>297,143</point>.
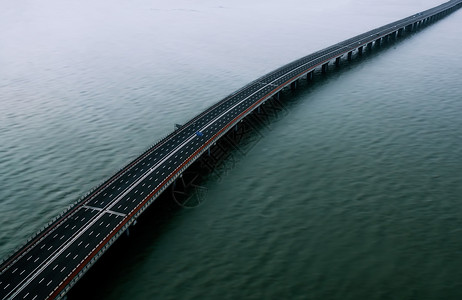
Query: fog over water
<point>355,193</point>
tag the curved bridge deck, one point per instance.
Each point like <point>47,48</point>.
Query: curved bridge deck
<point>52,261</point>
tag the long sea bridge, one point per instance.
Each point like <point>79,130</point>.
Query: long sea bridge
<point>56,257</point>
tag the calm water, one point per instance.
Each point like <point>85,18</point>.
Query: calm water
<point>355,193</point>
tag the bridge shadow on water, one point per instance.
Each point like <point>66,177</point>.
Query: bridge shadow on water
<point>188,192</point>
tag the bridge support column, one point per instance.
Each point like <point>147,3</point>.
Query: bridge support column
<point>360,50</point>
<point>400,32</point>
<point>309,76</point>
<point>350,54</point>
<point>337,61</point>
<point>293,85</point>
<point>378,41</point>
<point>324,67</point>
<point>369,46</point>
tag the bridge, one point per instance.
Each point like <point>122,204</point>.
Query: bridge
<point>57,256</point>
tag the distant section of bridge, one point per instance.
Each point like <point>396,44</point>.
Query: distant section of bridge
<point>54,259</point>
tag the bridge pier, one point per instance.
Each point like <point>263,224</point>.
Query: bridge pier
<point>337,61</point>
<point>309,76</point>
<point>325,67</point>
<point>350,54</point>
<point>378,41</point>
<point>293,85</point>
<point>400,32</point>
<point>369,46</point>
<point>360,50</point>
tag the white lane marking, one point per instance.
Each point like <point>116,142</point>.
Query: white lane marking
<point>115,213</point>
<point>92,207</point>
<point>264,83</point>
